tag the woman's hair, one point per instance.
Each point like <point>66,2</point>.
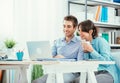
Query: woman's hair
<point>88,25</point>
<point>73,19</point>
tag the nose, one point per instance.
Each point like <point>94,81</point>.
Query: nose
<point>65,28</point>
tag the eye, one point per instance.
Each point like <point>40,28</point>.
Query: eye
<point>69,26</point>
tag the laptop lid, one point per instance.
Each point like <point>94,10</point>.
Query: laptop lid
<point>39,49</point>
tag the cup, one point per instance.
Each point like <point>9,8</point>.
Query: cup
<point>19,55</point>
<point>84,44</point>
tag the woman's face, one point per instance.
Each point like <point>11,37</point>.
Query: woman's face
<point>84,35</point>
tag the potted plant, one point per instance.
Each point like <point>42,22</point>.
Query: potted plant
<point>36,72</point>
<point>9,44</point>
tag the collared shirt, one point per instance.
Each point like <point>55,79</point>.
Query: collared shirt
<point>70,50</point>
<point>102,52</point>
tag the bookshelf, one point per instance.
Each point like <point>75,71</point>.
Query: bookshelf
<point>107,25</point>
<point>116,46</point>
<point>91,3</point>
<point>97,2</point>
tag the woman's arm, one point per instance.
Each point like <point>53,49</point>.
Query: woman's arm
<point>101,50</point>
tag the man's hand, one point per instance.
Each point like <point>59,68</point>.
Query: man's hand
<point>59,56</point>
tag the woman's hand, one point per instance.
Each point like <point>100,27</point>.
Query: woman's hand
<point>59,56</point>
<point>87,47</point>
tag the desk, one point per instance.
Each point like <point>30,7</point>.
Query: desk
<point>55,68</point>
<point>86,68</point>
<point>20,68</point>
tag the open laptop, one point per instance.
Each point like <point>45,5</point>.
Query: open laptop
<point>40,51</point>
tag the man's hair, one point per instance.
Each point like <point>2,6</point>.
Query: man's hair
<point>73,19</point>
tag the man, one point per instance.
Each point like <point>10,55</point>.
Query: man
<point>67,47</point>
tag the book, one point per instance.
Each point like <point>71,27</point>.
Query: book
<point>104,14</point>
<point>107,36</point>
<point>97,14</point>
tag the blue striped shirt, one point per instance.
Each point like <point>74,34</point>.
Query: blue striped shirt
<point>70,50</point>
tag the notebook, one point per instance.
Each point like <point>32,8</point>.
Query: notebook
<point>41,51</point>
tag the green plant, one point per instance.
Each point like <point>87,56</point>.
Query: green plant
<point>77,33</point>
<point>37,72</point>
<point>10,43</point>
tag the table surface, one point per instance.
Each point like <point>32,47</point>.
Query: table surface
<point>55,62</point>
<point>54,66</point>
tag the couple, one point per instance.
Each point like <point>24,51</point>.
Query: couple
<point>72,48</point>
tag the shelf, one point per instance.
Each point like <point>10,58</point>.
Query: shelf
<point>97,2</point>
<point>104,24</point>
<point>116,46</point>
<point>105,3</point>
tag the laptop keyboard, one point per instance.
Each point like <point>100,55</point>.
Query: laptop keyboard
<point>55,59</point>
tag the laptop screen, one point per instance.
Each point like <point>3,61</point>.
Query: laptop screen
<point>39,49</point>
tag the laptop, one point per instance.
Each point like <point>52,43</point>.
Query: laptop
<point>41,51</point>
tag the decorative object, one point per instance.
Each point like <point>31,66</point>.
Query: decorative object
<point>9,43</point>
<point>20,55</point>
<point>118,40</point>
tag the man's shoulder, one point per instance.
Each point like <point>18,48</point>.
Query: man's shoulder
<point>59,40</point>
<point>77,38</point>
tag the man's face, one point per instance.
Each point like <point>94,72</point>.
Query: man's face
<point>68,28</point>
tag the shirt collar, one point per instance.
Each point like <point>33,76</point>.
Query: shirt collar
<point>72,40</point>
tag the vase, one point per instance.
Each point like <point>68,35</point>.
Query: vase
<point>10,52</point>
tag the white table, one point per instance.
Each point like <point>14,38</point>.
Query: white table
<point>20,68</point>
<point>55,68</point>
<point>86,68</point>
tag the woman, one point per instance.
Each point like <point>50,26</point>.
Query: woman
<point>97,49</point>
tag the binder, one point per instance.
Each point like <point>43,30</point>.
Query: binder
<point>104,14</point>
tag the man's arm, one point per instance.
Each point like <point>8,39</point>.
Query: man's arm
<point>54,51</point>
<point>58,56</point>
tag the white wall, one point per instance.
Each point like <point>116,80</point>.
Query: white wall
<point>6,18</point>
<point>32,19</point>
<point>39,20</point>
<point>26,20</point>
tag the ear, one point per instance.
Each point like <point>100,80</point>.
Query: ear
<point>90,32</point>
<point>75,28</point>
